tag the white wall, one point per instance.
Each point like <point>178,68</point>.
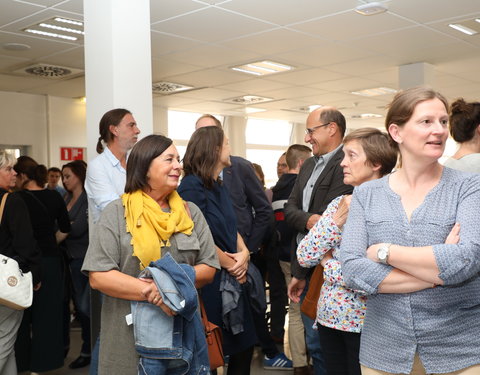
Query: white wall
<point>67,126</point>
<point>42,123</point>
<point>24,122</point>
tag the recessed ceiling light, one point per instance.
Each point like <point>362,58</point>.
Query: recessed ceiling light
<point>66,20</point>
<point>16,47</point>
<point>371,9</point>
<point>254,110</point>
<point>477,20</point>
<point>261,68</point>
<point>463,29</point>
<point>53,35</point>
<point>374,91</point>
<point>61,28</point>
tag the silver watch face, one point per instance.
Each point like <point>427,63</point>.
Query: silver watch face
<point>382,253</point>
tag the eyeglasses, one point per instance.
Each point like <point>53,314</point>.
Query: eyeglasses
<point>310,131</point>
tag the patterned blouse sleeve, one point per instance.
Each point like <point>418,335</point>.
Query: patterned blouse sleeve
<point>323,237</point>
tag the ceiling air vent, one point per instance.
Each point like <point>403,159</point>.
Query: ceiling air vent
<point>247,99</point>
<point>48,71</point>
<point>165,88</point>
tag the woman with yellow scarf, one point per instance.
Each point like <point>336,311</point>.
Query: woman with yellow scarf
<point>148,221</point>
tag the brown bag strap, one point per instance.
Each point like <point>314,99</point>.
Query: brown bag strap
<point>203,314</point>
<point>2,205</point>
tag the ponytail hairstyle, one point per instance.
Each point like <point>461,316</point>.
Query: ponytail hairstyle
<point>112,117</point>
<point>464,120</point>
<point>32,170</point>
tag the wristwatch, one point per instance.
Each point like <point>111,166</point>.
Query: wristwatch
<point>383,252</point>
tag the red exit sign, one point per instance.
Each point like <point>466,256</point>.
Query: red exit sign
<point>71,153</point>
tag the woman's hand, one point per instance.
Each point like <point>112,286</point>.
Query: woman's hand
<point>239,269</point>
<point>454,235</point>
<point>153,296</point>
<point>326,257</point>
<point>341,215</point>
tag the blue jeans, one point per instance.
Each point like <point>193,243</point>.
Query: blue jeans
<point>312,342</point>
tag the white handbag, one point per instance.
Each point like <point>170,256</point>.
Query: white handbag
<point>16,288</point>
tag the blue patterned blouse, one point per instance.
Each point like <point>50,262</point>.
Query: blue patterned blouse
<point>441,324</point>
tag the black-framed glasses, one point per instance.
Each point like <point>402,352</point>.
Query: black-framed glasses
<point>310,131</point>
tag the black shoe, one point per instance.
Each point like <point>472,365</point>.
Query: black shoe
<point>80,362</point>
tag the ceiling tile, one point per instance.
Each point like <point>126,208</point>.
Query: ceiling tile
<point>211,94</point>
<point>405,43</point>
<point>251,86</point>
<point>164,67</point>
<point>211,25</point>
<point>207,78</point>
<point>306,77</point>
<point>288,11</point>
<point>289,92</point>
<point>270,42</point>
<point>6,62</point>
<point>163,44</point>
<point>210,56</point>
<point>325,53</point>
<point>358,25</point>
<point>165,9</point>
<point>12,11</point>
<point>430,10</point>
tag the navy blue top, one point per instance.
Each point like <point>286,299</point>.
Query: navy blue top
<point>216,205</point>
<point>217,208</point>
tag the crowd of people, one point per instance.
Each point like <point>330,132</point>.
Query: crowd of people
<point>367,224</point>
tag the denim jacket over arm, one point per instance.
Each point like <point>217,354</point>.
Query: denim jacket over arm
<point>180,338</point>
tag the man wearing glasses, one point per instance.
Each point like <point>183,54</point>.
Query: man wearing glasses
<point>320,181</point>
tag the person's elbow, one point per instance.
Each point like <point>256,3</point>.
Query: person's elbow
<point>96,280</point>
<point>204,275</point>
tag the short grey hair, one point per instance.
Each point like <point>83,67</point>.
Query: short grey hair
<point>7,159</point>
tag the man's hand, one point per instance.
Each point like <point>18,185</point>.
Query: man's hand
<point>312,221</point>
<point>295,289</point>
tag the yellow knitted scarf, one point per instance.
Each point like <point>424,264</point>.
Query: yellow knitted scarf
<point>151,227</point>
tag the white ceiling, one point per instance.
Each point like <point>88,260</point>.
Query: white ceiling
<point>334,51</point>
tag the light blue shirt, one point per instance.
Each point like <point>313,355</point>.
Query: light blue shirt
<point>441,324</point>
<point>104,183</point>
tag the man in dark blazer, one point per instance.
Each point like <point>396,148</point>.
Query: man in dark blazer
<point>319,181</point>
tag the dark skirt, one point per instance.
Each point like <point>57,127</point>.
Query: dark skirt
<point>212,300</point>
<point>40,342</point>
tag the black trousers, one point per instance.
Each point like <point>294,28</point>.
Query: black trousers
<point>340,351</point>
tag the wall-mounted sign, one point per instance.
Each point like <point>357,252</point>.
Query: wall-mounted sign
<point>71,153</point>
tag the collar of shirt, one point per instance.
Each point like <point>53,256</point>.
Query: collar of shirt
<point>112,158</point>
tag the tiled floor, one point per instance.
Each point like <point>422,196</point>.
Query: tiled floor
<point>256,369</point>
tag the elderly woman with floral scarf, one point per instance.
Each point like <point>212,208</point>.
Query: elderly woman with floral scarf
<point>149,221</point>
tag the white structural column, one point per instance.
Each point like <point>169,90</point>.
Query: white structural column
<point>118,70</point>
<point>234,127</point>
<point>417,74</point>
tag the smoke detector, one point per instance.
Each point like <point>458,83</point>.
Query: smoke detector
<point>371,9</point>
<point>48,71</point>
<point>165,88</point>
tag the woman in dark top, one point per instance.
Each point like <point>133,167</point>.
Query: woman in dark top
<point>76,245</point>
<point>40,341</point>
<point>17,242</point>
<point>208,152</point>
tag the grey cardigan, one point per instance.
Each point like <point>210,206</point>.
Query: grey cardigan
<point>440,324</point>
